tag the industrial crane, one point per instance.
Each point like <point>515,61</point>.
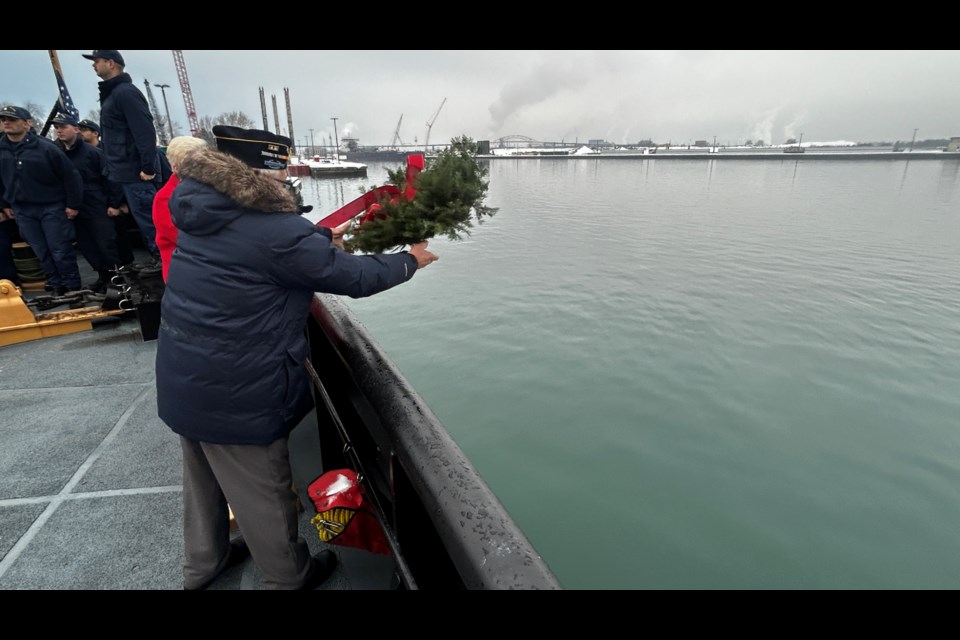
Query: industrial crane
<point>430,125</point>
<point>187,93</point>
<point>396,134</point>
<point>161,132</point>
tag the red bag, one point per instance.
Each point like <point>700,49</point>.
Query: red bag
<point>344,516</point>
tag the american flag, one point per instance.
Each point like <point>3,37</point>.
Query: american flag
<point>66,102</point>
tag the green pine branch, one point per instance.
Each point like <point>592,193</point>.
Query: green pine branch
<point>449,200</point>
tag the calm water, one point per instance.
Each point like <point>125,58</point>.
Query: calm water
<point>703,374</point>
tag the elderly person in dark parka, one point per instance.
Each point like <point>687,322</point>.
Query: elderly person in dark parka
<point>230,359</point>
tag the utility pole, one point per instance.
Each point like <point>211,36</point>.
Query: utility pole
<point>313,149</point>
<point>166,107</point>
<point>913,139</point>
<point>336,143</point>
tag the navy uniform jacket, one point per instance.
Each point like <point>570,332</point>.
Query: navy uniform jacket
<point>98,192</point>
<point>164,170</point>
<point>36,171</point>
<point>232,344</point>
<point>127,132</point>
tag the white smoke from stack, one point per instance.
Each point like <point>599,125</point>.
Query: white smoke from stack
<point>763,130</point>
<point>559,74</point>
<point>792,129</point>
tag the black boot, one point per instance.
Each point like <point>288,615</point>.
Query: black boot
<point>100,286</point>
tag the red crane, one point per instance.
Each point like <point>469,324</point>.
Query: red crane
<point>187,93</point>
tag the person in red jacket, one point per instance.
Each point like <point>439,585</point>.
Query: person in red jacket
<point>166,239</point>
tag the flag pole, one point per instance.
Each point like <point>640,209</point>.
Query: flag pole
<point>53,114</point>
<point>64,102</point>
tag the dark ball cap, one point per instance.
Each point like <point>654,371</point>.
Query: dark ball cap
<point>65,118</point>
<point>106,54</point>
<point>257,148</point>
<point>17,113</point>
<point>89,124</point>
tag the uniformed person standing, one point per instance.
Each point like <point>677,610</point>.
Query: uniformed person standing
<point>129,141</point>
<point>96,231</point>
<point>42,190</point>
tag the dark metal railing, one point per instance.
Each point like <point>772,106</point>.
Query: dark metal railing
<point>445,525</point>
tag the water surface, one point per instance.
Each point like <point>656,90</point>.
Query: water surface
<point>702,373</point>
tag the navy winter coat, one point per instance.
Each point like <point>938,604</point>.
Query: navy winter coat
<point>128,135</point>
<point>98,192</point>
<point>36,171</point>
<point>232,338</point>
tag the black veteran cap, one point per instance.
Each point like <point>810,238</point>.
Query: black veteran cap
<point>65,118</point>
<point>106,54</point>
<point>17,113</point>
<point>89,124</point>
<point>257,148</point>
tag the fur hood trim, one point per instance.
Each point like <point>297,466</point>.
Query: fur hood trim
<point>237,181</point>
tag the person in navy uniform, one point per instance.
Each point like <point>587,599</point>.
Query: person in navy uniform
<point>43,191</point>
<point>129,140</point>
<point>95,229</point>
<point>8,236</point>
<point>230,361</point>
<point>90,131</point>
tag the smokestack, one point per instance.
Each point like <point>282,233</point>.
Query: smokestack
<point>263,110</point>
<point>286,95</point>
<point>276,116</point>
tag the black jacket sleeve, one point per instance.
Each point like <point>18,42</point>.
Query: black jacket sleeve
<point>72,182</point>
<point>140,121</point>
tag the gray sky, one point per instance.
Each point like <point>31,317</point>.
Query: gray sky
<point>620,96</point>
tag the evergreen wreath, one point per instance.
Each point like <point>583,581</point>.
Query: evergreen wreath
<point>451,187</point>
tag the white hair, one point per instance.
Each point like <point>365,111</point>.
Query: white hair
<point>181,146</point>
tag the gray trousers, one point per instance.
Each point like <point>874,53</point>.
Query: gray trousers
<point>255,480</point>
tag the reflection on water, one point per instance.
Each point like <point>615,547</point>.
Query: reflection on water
<point>903,179</point>
<point>948,177</point>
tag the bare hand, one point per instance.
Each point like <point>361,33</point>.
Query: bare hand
<point>146,177</point>
<point>7,214</point>
<point>112,212</point>
<point>424,257</point>
<point>71,213</point>
<point>338,233</point>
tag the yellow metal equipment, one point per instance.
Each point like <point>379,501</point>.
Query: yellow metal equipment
<point>19,324</point>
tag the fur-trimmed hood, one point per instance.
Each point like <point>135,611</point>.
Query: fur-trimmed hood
<point>237,181</point>
<point>216,188</point>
